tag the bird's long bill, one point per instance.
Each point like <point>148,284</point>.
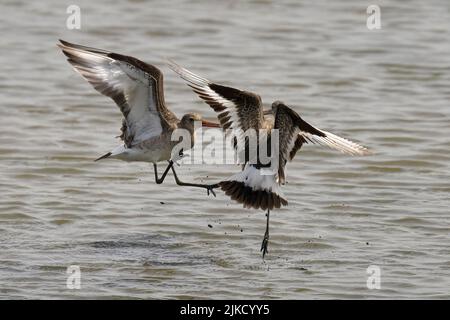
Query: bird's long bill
<point>267,112</point>
<point>210,124</point>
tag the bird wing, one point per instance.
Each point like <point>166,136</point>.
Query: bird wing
<point>135,86</point>
<point>294,132</point>
<point>237,110</point>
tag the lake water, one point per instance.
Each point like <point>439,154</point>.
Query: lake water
<point>388,89</point>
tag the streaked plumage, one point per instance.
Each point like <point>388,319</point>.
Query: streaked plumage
<point>243,110</point>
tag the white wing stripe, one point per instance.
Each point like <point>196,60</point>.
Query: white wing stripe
<point>202,85</point>
<point>113,77</point>
<point>335,142</point>
<point>188,75</point>
<point>291,143</point>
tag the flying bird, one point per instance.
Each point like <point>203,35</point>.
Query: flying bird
<point>137,89</point>
<point>240,111</point>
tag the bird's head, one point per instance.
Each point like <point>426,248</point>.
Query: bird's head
<point>273,109</point>
<point>275,106</point>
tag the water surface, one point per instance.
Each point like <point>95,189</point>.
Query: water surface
<point>388,89</point>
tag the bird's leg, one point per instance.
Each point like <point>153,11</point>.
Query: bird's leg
<point>160,180</point>
<point>265,241</point>
<point>209,187</point>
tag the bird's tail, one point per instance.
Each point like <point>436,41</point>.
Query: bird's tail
<point>254,189</point>
<point>115,153</point>
<point>106,155</point>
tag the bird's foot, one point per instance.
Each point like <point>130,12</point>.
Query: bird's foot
<point>210,189</point>
<point>264,244</point>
